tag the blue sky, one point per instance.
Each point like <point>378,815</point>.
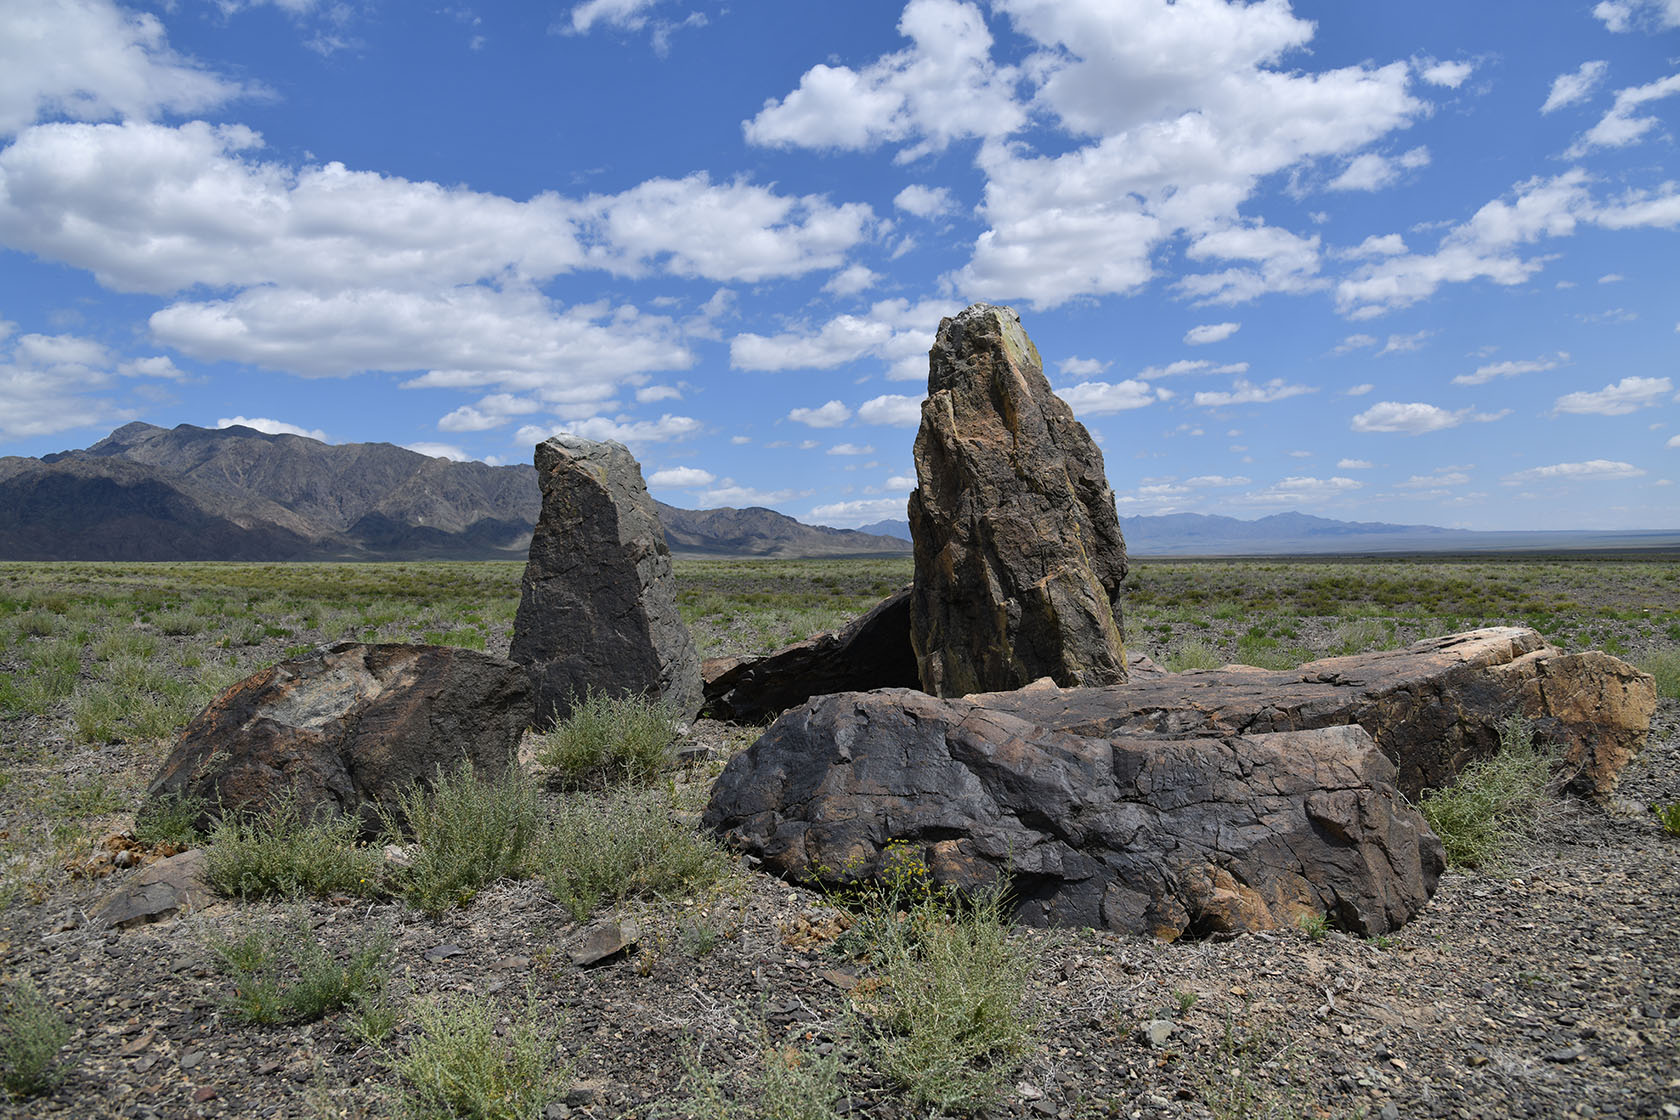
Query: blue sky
<point>1400,262</point>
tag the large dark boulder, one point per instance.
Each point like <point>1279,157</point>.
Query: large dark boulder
<point>1019,558</point>
<point>1140,833</point>
<point>345,728</point>
<point>1432,707</point>
<point>598,604</point>
<point>870,652</point>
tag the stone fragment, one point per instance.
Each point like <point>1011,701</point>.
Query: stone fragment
<point>598,603</point>
<point>1139,833</point>
<point>605,940</point>
<point>163,889</point>
<point>1432,707</point>
<point>343,729</point>
<point>1019,557</point>
<point>870,652</point>
<point>1156,1032</point>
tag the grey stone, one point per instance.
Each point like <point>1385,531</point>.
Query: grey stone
<point>1019,557</point>
<point>1433,707</point>
<point>1137,833</point>
<point>164,889</point>
<point>1157,1032</point>
<point>598,605</point>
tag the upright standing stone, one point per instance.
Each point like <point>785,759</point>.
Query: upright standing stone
<point>1019,558</point>
<point>598,604</point>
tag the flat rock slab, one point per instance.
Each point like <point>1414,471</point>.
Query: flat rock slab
<point>873,651</point>
<point>344,729</point>
<point>1141,833</point>
<point>1432,707</point>
<point>161,890</point>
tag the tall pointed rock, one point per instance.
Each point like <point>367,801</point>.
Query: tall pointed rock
<point>1019,557</point>
<point>598,604</point>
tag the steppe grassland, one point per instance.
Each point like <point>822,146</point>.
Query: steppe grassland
<point>102,664</point>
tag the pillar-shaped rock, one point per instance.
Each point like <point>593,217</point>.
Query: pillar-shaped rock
<point>598,604</point>
<point>1019,557</point>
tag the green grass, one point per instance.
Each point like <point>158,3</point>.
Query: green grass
<point>1492,808</point>
<point>285,975</point>
<point>784,1082</point>
<point>624,843</point>
<point>281,852</point>
<point>464,1063</point>
<point>952,1029</point>
<point>1664,665</point>
<point>468,831</point>
<point>1193,654</point>
<point>169,819</point>
<point>31,1035</point>
<point>610,738</point>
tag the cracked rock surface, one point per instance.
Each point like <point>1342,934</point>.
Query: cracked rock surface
<point>1140,833</point>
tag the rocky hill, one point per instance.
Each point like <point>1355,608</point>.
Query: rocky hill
<point>190,493</point>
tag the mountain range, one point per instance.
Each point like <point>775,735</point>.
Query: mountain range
<point>189,493</point>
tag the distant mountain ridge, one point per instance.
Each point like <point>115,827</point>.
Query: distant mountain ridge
<point>1302,534</point>
<point>235,493</point>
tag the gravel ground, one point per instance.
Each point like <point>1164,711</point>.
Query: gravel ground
<point>1549,989</point>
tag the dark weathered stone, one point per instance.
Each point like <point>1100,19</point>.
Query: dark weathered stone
<point>1143,833</point>
<point>1432,707</point>
<point>345,728</point>
<point>1019,558</point>
<point>871,652</point>
<point>598,604</point>
<point>164,889</point>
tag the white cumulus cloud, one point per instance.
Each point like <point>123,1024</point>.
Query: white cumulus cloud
<point>1244,392</point>
<point>1412,418</point>
<point>1593,470</point>
<point>275,427</point>
<point>1100,398</point>
<point>1210,332</point>
<point>830,415</point>
<point>1625,396</point>
<point>90,60</point>
<point>1567,89</point>
<point>681,477</point>
<point>893,409</point>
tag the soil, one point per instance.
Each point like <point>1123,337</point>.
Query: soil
<point>1550,988</point>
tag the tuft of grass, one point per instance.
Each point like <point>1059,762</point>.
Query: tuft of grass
<point>288,976</point>
<point>1669,817</point>
<point>31,1035</point>
<point>609,738</point>
<point>950,1025</point>
<point>462,1064</point>
<point>170,819</point>
<point>1193,654</point>
<point>468,832</point>
<point>278,852</point>
<point>1664,664</point>
<point>1492,808</point>
<point>788,1083</point>
<point>1315,926</point>
<point>625,843</point>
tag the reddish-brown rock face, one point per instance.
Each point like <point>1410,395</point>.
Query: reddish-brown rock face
<point>1019,558</point>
